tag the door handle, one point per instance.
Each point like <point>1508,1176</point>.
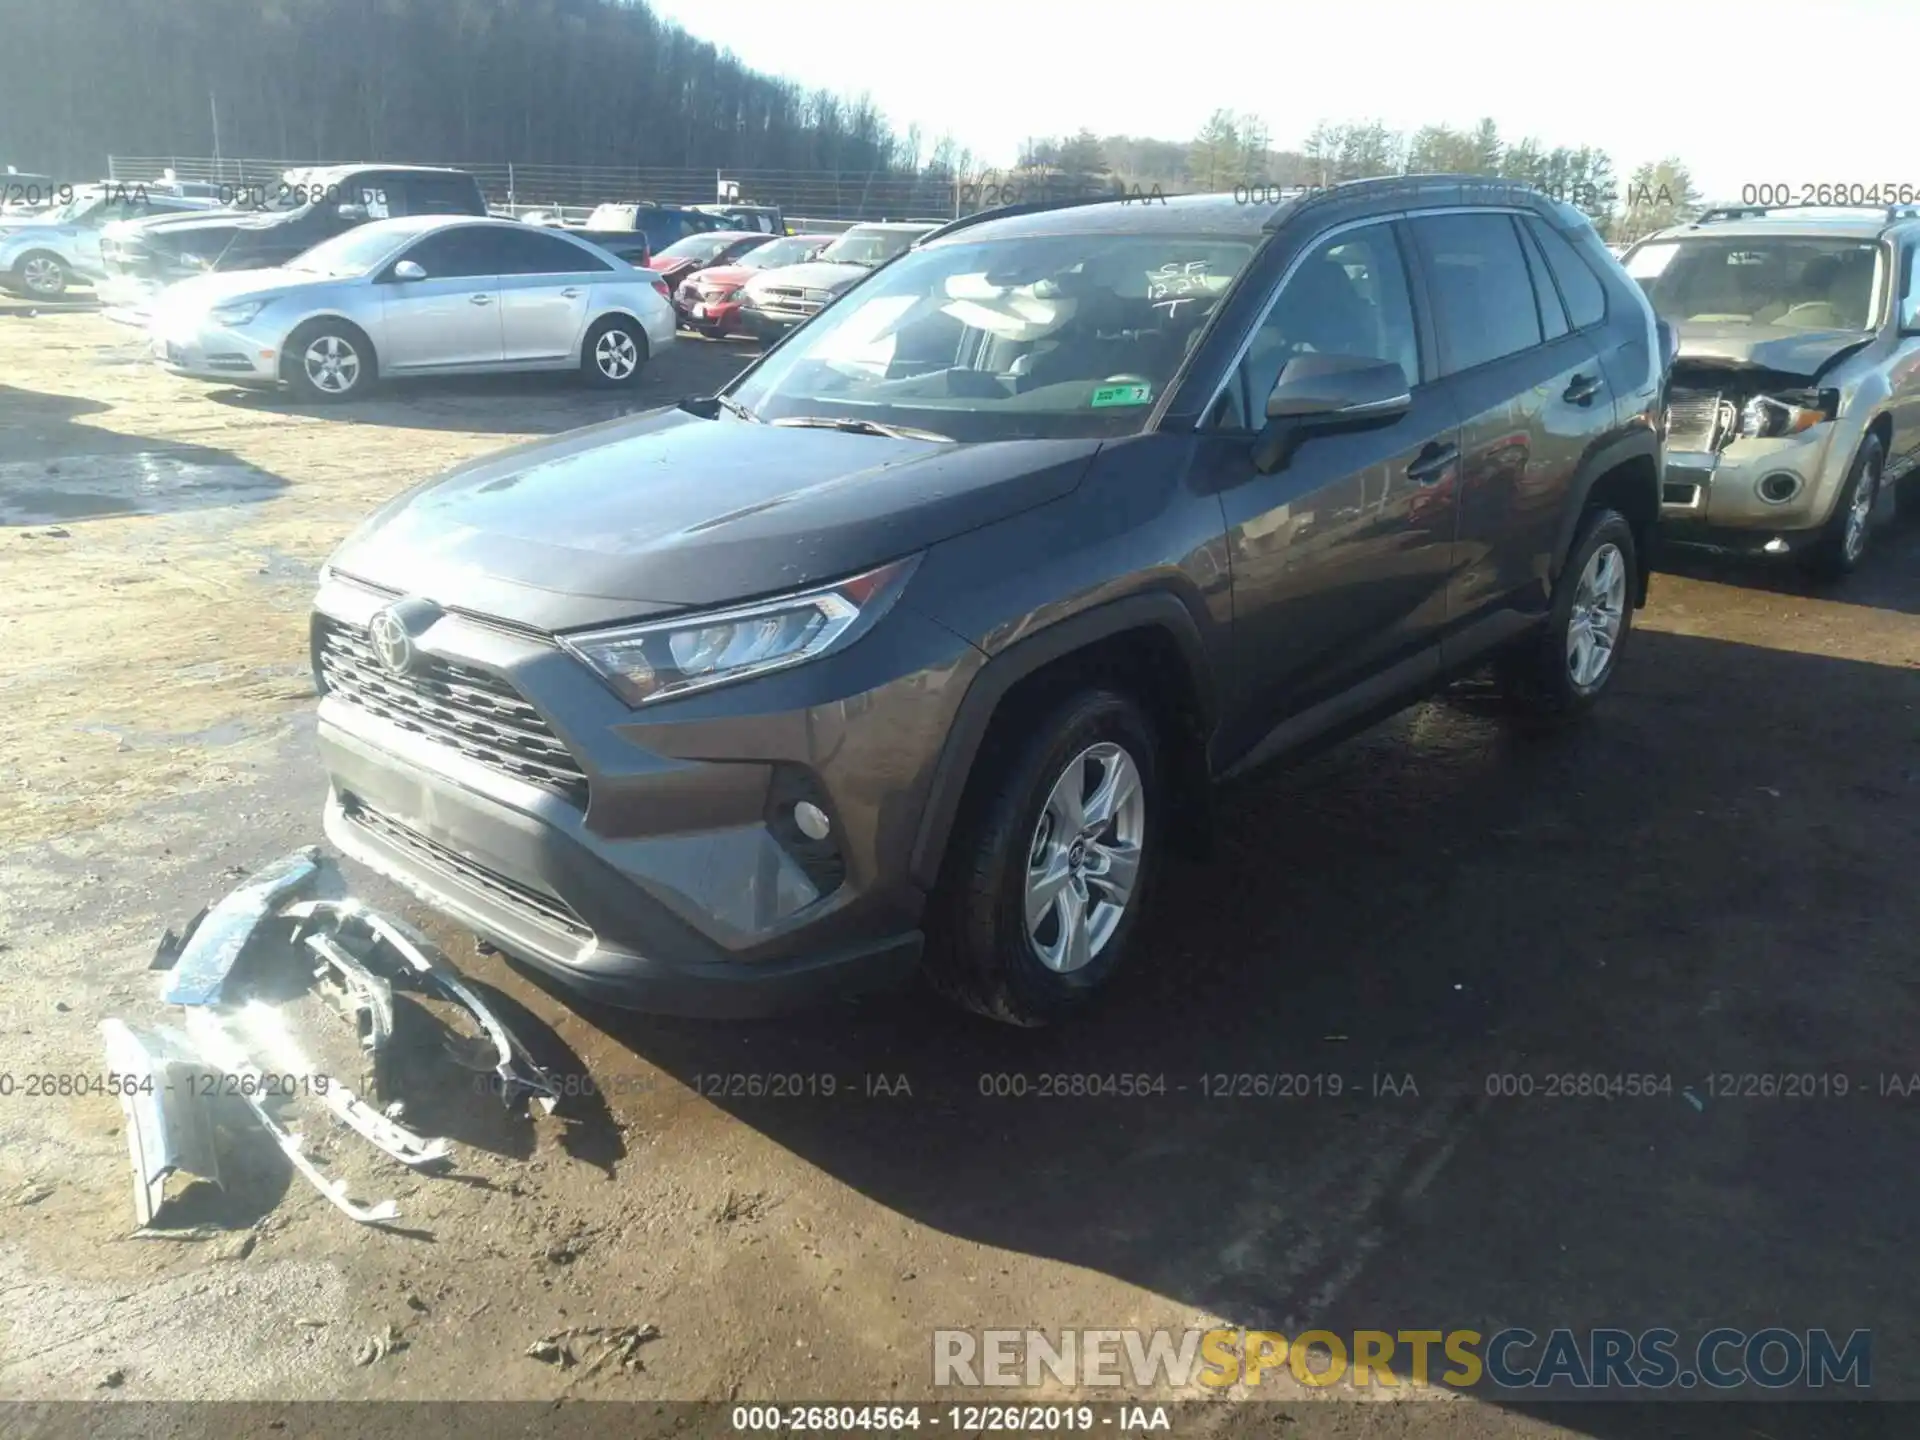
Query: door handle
<point>1432,462</point>
<point>569,293</point>
<point>480,299</point>
<point>1581,390</point>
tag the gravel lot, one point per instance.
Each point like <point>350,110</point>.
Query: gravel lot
<point>1705,881</point>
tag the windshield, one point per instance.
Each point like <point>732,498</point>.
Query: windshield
<point>787,250</point>
<point>354,253</point>
<point>75,209</point>
<point>868,247</point>
<point>1800,282</point>
<point>1046,336</point>
<point>696,247</point>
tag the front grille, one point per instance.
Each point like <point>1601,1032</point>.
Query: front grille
<point>545,908</point>
<point>1698,422</point>
<point>473,710</point>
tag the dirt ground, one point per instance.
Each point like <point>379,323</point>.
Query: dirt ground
<point>1713,879</point>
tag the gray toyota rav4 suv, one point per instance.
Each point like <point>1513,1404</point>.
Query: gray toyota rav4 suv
<point>917,647</point>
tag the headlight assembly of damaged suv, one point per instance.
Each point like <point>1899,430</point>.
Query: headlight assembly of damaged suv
<point>916,649</point>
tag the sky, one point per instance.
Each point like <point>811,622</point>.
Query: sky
<point>1745,93</point>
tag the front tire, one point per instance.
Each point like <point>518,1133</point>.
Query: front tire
<point>1562,673</point>
<point>1843,545</point>
<point>1046,878</point>
<point>41,275</point>
<point>328,361</point>
<point>613,354</point>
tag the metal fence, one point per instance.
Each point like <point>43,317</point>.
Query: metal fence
<point>830,195</point>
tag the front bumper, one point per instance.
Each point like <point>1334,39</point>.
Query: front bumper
<point>1722,491</point>
<point>128,299</point>
<point>197,347</point>
<point>676,888</point>
<point>768,323</point>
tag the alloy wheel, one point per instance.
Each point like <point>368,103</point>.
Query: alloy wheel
<point>1860,513</point>
<point>331,364</point>
<point>1084,860</point>
<point>616,355</point>
<point>43,275</point>
<point>1599,608</point>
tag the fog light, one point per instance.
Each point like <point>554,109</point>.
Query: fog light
<point>1775,546</point>
<point>1779,487</point>
<point>812,820</point>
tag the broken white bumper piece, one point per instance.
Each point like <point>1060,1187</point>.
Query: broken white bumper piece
<point>399,948</point>
<point>207,956</point>
<point>211,1038</point>
<point>162,1083</point>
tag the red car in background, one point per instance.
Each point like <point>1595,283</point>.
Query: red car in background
<point>709,299</point>
<point>693,253</point>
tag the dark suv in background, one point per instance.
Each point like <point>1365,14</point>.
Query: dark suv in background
<point>920,644</point>
<point>285,218</point>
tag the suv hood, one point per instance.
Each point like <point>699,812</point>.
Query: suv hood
<point>666,510</point>
<point>1769,347</point>
<point>813,275</point>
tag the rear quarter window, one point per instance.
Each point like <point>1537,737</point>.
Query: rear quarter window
<point>1586,297</point>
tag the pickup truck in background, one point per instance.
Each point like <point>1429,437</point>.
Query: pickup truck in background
<point>280,220</point>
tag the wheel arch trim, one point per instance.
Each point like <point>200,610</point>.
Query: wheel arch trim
<point>953,770</point>
<point>1615,453</point>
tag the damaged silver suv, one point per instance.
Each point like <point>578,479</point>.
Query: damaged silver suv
<point>1795,401</point>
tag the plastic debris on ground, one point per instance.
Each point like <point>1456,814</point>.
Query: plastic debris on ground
<point>238,970</point>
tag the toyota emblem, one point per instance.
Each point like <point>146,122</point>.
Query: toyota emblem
<point>391,642</point>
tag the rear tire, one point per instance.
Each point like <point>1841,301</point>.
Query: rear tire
<point>614,354</point>
<point>326,362</point>
<point>1843,545</point>
<point>1035,907</point>
<point>1561,673</point>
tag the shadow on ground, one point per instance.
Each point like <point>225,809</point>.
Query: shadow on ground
<point>1884,580</point>
<point>55,470</point>
<point>1400,946</point>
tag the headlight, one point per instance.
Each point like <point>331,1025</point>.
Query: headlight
<point>238,313</point>
<point>1769,416</point>
<point>663,658</point>
<point>720,296</point>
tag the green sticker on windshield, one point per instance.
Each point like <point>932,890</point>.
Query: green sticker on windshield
<point>1134,392</point>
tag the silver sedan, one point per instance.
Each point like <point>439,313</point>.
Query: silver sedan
<point>421,295</point>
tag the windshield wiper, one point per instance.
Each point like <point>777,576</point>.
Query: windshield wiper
<point>734,407</point>
<point>863,427</point>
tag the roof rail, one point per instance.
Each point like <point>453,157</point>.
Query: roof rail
<point>1730,212</point>
<point>1477,189</point>
<point>1747,212</point>
<point>1026,207</point>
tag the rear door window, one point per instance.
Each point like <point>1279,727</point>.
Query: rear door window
<point>1553,315</point>
<point>1586,297</point>
<point>528,252</point>
<point>1483,302</point>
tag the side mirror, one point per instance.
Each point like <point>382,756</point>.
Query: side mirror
<point>1315,394</point>
<point>352,214</point>
<point>409,270</point>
